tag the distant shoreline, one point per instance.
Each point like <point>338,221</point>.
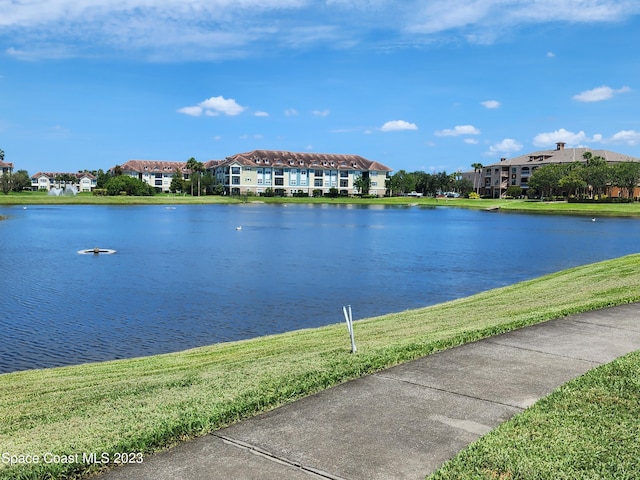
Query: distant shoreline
<point>490,205</point>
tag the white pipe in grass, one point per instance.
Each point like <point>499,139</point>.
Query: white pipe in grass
<point>348,316</point>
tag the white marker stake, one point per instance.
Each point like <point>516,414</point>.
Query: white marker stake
<point>349,319</point>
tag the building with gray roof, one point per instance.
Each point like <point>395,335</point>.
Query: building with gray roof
<point>494,179</point>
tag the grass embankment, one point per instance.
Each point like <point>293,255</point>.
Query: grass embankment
<point>604,209</point>
<point>146,404</point>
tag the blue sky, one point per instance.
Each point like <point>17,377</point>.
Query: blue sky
<point>417,85</point>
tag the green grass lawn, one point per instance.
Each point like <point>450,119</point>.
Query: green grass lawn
<point>587,429</point>
<point>147,404</point>
<point>611,209</point>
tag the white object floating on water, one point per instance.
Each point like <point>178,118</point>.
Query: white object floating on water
<point>96,251</point>
<point>238,227</point>
<point>593,219</point>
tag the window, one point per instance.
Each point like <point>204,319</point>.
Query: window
<point>344,173</point>
<point>278,172</point>
<point>344,183</point>
<point>317,182</point>
<point>235,180</point>
<point>279,181</point>
<point>235,170</point>
<point>318,173</point>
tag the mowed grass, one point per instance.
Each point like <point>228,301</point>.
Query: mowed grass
<point>587,429</point>
<point>147,404</point>
<point>512,205</point>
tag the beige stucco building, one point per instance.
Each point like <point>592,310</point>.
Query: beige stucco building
<point>493,180</point>
<point>289,173</point>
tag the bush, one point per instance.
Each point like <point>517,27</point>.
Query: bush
<point>125,185</point>
<point>474,196</point>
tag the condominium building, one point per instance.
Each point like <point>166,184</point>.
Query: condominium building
<point>6,167</point>
<point>157,173</point>
<point>289,173</point>
<point>493,180</point>
<point>82,182</point>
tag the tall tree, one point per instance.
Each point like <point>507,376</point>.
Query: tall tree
<point>626,176</point>
<point>596,173</point>
<point>21,180</point>
<point>477,169</point>
<point>547,178</point>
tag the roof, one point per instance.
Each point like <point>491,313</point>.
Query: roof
<point>278,158</point>
<point>6,165</point>
<point>157,166</point>
<point>78,175</point>
<point>564,155</point>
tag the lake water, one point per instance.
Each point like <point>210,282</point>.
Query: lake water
<point>185,276</point>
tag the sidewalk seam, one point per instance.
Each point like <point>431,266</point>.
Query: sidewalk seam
<point>497,342</point>
<point>447,391</point>
<point>275,458</point>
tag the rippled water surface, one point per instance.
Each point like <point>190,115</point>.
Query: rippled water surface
<point>185,276</point>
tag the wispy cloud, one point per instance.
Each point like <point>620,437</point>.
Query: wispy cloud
<point>398,125</point>
<point>599,94</point>
<point>457,131</point>
<point>291,112</point>
<point>214,106</point>
<point>260,113</point>
<point>491,104</point>
<point>321,113</point>
<point>169,30</point>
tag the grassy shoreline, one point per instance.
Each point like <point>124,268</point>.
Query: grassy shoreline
<point>565,208</point>
<point>147,404</point>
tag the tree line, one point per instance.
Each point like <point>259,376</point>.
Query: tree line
<point>592,179</point>
<point>429,184</point>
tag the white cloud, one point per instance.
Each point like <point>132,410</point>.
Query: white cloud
<point>629,137</point>
<point>551,54</point>
<point>549,139</point>
<point>260,113</point>
<point>168,30</point>
<point>490,104</point>
<point>291,112</point>
<point>483,20</point>
<point>505,147</point>
<point>457,131</point>
<point>214,106</point>
<point>600,93</point>
<point>397,125</point>
<point>471,141</point>
<point>321,113</point>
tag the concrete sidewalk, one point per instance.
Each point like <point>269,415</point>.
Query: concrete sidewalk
<point>404,422</point>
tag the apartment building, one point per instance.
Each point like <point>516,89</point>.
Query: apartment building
<point>157,173</point>
<point>493,180</point>
<point>82,182</point>
<point>289,173</point>
<point>6,167</point>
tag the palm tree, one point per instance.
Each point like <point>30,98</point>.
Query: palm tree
<point>477,168</point>
<point>192,166</point>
